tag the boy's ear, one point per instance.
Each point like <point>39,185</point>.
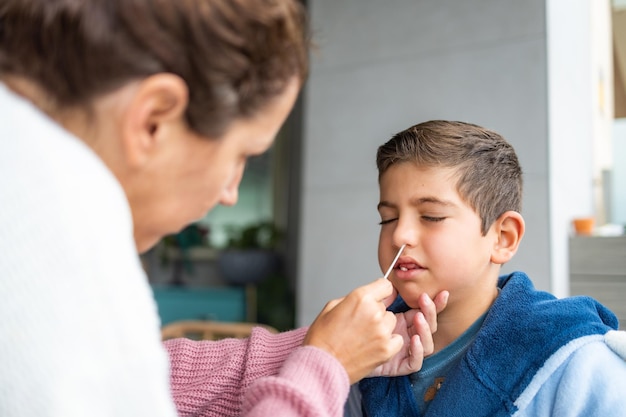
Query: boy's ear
<point>158,104</point>
<point>509,229</point>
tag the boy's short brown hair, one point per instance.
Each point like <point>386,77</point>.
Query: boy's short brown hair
<point>235,56</point>
<point>488,171</point>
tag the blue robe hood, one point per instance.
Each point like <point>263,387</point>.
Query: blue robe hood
<point>522,329</point>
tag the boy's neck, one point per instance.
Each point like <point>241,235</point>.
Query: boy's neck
<point>460,314</point>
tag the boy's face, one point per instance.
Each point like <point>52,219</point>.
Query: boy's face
<point>445,249</point>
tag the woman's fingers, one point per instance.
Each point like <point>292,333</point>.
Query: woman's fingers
<point>357,329</point>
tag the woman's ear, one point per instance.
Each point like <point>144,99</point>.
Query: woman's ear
<point>509,228</point>
<point>156,112</point>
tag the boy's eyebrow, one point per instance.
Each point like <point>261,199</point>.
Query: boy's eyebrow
<point>419,201</point>
<point>432,200</point>
<point>385,204</point>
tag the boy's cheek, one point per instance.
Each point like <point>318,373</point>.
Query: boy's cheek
<point>409,297</point>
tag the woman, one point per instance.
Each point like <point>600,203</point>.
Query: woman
<point>124,121</point>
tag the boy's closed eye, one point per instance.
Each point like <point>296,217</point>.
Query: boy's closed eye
<point>387,221</point>
<point>433,219</point>
<point>430,219</point>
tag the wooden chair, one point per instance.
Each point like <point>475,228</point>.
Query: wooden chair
<point>209,330</point>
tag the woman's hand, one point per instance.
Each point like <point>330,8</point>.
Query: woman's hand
<point>358,330</point>
<point>416,326</point>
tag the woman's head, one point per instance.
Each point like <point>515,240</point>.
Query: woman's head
<point>173,95</point>
<point>234,56</point>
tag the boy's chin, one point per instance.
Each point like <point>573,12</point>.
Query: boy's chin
<point>411,296</point>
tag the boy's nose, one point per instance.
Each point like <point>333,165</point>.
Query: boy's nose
<point>406,233</point>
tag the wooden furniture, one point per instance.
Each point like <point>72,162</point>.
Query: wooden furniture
<point>598,269</point>
<point>209,330</point>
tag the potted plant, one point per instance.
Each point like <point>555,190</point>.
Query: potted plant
<point>249,256</point>
<point>179,252</point>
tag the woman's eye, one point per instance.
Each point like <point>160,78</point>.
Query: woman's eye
<point>433,219</point>
<point>387,221</point>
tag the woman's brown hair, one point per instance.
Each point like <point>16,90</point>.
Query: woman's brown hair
<point>235,55</point>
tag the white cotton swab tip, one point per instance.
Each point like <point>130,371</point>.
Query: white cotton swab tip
<point>394,262</point>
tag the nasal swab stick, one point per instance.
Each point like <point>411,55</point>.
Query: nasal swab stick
<point>394,261</point>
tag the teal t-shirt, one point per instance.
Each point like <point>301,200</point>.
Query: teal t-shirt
<point>429,379</point>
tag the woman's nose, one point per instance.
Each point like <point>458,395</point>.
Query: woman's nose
<point>230,194</point>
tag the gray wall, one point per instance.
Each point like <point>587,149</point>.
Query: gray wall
<point>383,66</point>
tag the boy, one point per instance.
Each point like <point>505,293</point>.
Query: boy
<point>452,192</point>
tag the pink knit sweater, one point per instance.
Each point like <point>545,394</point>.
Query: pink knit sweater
<point>265,375</point>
